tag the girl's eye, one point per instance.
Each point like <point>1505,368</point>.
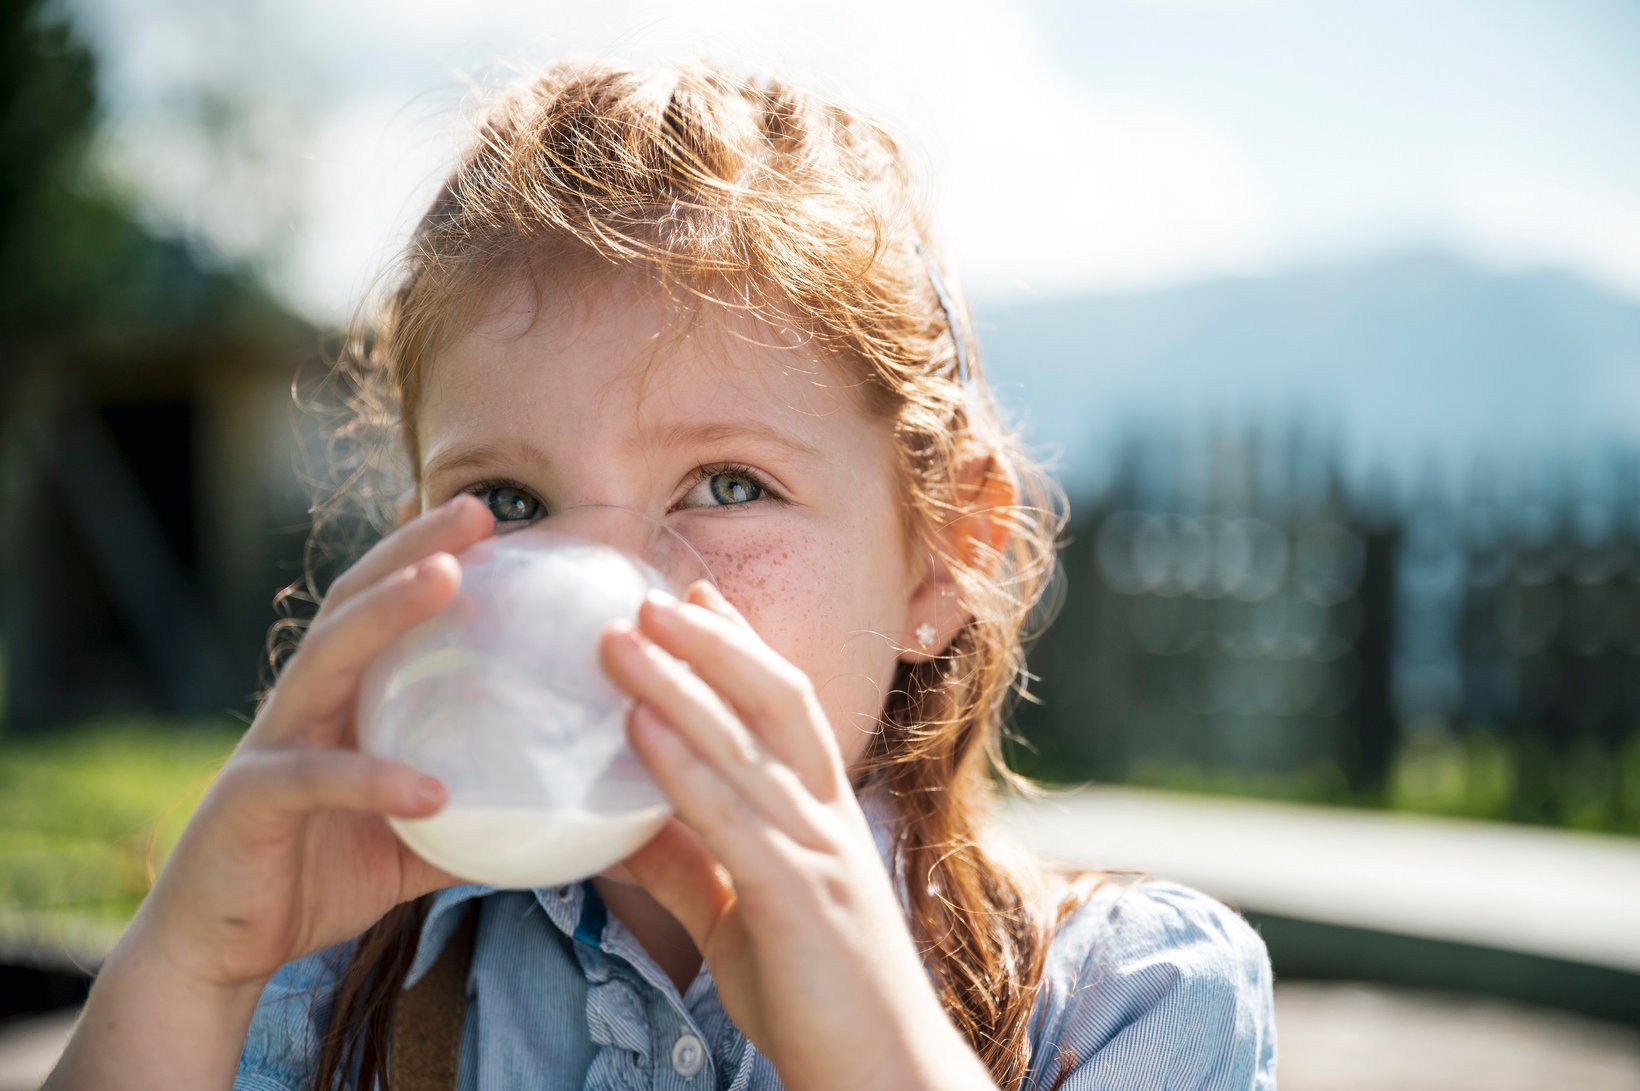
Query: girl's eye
<point>733,488</point>
<point>509,503</point>
<point>727,486</point>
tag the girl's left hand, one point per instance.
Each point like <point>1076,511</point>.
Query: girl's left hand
<point>770,864</point>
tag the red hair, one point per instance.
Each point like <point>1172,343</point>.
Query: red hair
<point>753,196</point>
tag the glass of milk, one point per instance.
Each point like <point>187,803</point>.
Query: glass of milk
<point>500,696</point>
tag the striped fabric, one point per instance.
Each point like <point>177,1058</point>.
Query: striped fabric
<point>1150,985</point>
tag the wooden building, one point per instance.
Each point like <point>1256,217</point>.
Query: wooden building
<point>150,502</point>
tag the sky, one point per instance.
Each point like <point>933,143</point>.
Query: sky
<point>1104,146</point>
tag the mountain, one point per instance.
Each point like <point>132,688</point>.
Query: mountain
<point>1411,363</point>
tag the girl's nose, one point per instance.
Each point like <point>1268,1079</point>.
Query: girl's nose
<point>634,532</point>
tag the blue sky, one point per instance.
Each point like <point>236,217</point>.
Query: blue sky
<point>1507,129</point>
<point>1105,146</point>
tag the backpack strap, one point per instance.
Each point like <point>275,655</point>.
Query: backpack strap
<point>424,1050</point>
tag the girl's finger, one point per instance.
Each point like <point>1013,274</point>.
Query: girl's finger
<point>407,507</point>
<point>681,875</point>
<point>320,683</point>
<point>730,826</point>
<point>274,787</point>
<point>705,593</point>
<point>713,731</point>
<point>775,698</point>
<point>449,528</point>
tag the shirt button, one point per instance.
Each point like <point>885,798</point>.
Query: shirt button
<point>688,1056</point>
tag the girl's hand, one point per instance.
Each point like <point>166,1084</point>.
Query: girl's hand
<point>288,852</point>
<point>770,864</point>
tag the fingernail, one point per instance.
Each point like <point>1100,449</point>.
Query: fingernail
<point>429,789</point>
<point>426,565</point>
<point>628,636</point>
<point>663,601</point>
<point>452,508</point>
<point>718,603</point>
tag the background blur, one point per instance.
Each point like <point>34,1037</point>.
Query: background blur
<point>1328,315</point>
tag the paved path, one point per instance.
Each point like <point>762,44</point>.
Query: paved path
<point>1546,892</point>
<point>1333,1037</point>
<point>30,1046</point>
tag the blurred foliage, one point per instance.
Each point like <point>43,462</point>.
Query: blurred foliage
<point>1443,773</point>
<point>1240,619</point>
<point>74,259</point>
<point>89,813</point>
<point>48,82</point>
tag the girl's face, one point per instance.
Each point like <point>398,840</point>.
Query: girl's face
<point>762,458</point>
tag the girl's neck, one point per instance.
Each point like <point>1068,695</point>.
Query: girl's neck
<point>656,930</point>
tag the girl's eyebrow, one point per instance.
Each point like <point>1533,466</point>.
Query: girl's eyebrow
<point>462,458</point>
<point>680,434</point>
<point>676,435</point>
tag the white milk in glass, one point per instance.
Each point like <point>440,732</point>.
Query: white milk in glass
<point>500,696</point>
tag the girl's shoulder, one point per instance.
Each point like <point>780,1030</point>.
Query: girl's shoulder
<point>1127,918</point>
<point>1160,982</point>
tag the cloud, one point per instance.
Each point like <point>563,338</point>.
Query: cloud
<point>1507,218</point>
<point>1047,180</point>
<point>1043,185</point>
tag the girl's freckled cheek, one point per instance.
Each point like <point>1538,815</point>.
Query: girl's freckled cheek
<point>744,575</point>
<point>773,582</point>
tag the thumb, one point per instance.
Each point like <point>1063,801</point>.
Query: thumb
<point>418,877</point>
<point>678,872</point>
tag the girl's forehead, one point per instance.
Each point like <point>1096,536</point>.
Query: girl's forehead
<point>620,352</point>
<point>619,343</point>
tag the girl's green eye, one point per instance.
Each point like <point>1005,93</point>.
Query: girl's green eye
<point>510,505</point>
<point>734,488</point>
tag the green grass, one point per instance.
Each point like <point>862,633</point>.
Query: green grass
<point>89,813</point>
<point>87,816</point>
<point>1321,783</point>
<point>1438,772</point>
<point>1484,776</point>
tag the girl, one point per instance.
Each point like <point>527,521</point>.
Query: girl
<point>716,302</point>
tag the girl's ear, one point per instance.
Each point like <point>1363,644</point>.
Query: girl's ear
<point>985,492</point>
<point>409,505</point>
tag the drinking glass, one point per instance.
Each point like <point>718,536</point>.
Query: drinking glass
<point>500,696</point>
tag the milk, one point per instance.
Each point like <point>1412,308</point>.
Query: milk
<point>501,696</point>
<point>519,847</point>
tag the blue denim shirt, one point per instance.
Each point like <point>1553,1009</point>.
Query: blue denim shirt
<point>1149,985</point>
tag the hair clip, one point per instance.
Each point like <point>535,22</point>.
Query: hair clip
<point>963,374</point>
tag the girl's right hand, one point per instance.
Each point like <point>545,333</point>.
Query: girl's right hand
<point>288,851</point>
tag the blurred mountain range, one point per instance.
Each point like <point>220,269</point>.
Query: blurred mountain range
<point>1417,366</point>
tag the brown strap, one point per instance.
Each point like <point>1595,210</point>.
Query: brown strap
<point>425,1042</point>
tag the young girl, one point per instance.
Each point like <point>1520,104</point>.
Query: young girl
<point>716,302</point>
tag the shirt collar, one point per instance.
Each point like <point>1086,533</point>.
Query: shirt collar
<point>440,925</point>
